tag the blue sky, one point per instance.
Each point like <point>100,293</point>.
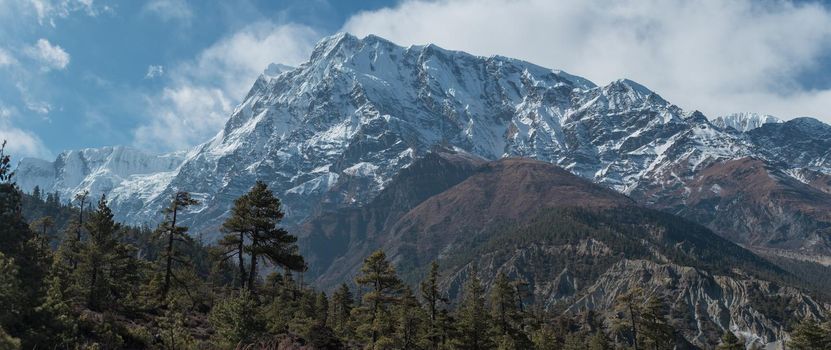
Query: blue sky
<point>164,74</point>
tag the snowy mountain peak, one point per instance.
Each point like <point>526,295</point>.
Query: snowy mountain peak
<point>333,132</point>
<point>331,45</point>
<point>275,69</point>
<point>743,122</point>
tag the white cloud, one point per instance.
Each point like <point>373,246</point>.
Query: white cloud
<point>234,62</point>
<point>169,10</point>
<point>48,10</point>
<point>154,71</point>
<point>202,92</point>
<point>21,143</point>
<point>717,56</point>
<point>32,102</point>
<point>39,107</point>
<point>183,116</point>
<point>6,58</point>
<point>48,55</point>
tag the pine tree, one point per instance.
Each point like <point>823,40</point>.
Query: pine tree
<point>25,259</point>
<point>432,297</point>
<point>236,227</point>
<point>340,309</point>
<point>42,227</point>
<point>268,241</point>
<point>410,321</point>
<point>11,292</point>
<point>599,342</point>
<point>505,342</point>
<point>63,327</point>
<point>305,315</point>
<point>630,307</point>
<point>36,193</point>
<point>81,198</point>
<point>810,335</point>
<point>6,173</point>
<point>505,308</point>
<point>447,328</point>
<point>236,320</point>
<point>574,341</point>
<point>321,311</point>
<point>545,338</point>
<point>171,233</point>
<point>173,332</point>
<point>280,310</point>
<point>107,267</point>
<point>472,321</point>
<point>655,328</point>
<point>69,250</point>
<point>729,341</point>
<point>254,219</point>
<point>379,276</point>
<point>97,253</point>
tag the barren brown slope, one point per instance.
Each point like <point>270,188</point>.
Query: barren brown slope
<point>498,193</point>
<point>330,235</point>
<point>753,203</point>
<point>505,190</point>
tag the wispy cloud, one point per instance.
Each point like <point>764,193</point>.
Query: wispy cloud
<point>21,143</point>
<point>170,10</point>
<point>717,56</point>
<point>48,55</point>
<point>39,107</point>
<point>49,10</point>
<point>202,92</point>
<point>6,58</point>
<point>154,71</point>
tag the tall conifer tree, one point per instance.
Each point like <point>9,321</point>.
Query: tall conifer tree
<point>170,232</point>
<point>380,277</point>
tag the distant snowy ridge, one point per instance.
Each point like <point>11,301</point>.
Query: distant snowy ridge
<point>744,122</point>
<point>97,170</point>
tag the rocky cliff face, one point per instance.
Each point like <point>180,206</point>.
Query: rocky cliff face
<point>704,304</point>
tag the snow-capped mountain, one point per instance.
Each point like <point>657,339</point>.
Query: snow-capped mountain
<point>743,122</point>
<point>97,170</point>
<point>333,131</point>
